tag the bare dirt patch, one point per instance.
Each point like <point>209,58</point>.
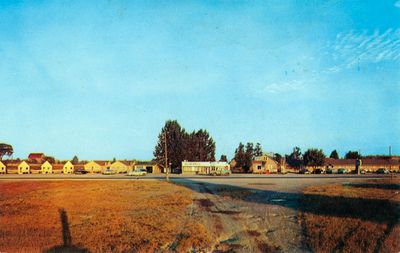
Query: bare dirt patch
<point>97,216</point>
<point>351,217</point>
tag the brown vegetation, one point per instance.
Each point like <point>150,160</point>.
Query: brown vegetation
<point>97,216</point>
<point>352,217</point>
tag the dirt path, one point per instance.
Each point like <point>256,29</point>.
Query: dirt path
<point>253,214</point>
<point>239,223</point>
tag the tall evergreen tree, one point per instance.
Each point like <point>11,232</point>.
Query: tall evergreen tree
<point>240,156</point>
<point>258,150</point>
<point>249,156</point>
<point>223,158</point>
<point>199,146</point>
<point>75,160</point>
<point>334,154</point>
<point>176,143</point>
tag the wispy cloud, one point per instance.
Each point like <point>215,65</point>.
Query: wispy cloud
<point>397,4</point>
<point>291,85</point>
<point>353,48</point>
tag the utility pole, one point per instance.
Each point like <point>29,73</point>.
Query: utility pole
<point>166,155</point>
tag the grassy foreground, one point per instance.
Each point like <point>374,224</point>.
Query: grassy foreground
<point>352,217</point>
<point>97,216</point>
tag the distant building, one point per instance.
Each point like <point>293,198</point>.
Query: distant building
<point>149,166</point>
<point>46,168</point>
<point>368,164</point>
<point>95,167</point>
<point>264,164</point>
<point>37,157</point>
<point>121,166</point>
<point>68,168</point>
<point>202,167</point>
<point>3,169</point>
<point>24,168</point>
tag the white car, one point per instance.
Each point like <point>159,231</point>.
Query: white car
<point>137,172</point>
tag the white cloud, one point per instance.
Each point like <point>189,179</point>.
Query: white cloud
<point>292,85</point>
<point>397,4</point>
<point>352,48</point>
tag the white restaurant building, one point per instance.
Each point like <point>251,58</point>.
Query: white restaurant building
<point>202,167</point>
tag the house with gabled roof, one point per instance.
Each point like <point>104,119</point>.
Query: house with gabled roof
<point>38,157</point>
<point>46,168</point>
<point>121,166</point>
<point>104,164</point>
<point>3,168</point>
<point>68,168</point>
<point>24,168</point>
<point>93,167</point>
<point>264,164</point>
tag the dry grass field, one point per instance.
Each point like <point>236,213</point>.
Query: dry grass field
<point>97,216</point>
<point>359,217</point>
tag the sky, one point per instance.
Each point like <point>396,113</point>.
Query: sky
<point>98,79</point>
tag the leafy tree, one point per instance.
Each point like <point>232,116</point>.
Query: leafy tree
<point>175,139</point>
<point>334,154</point>
<point>295,159</point>
<point>75,160</point>
<point>114,160</point>
<point>314,157</point>
<point>223,158</point>
<point>5,149</point>
<point>258,150</point>
<point>353,155</point>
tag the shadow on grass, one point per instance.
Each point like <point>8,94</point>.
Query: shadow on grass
<point>377,186</point>
<point>375,210</point>
<point>381,211</point>
<point>67,245</point>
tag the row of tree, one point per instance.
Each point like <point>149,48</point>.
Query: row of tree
<point>315,157</point>
<point>180,145</point>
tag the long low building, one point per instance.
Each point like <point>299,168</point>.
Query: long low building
<point>202,167</point>
<point>367,164</point>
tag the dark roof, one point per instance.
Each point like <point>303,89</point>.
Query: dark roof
<point>146,163</point>
<point>35,166</point>
<point>365,161</point>
<point>337,162</point>
<point>36,155</point>
<point>58,166</point>
<point>102,163</point>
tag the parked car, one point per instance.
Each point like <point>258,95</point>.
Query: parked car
<point>80,171</point>
<point>137,172</point>
<point>108,171</point>
<point>382,171</point>
<point>342,171</point>
<point>318,171</point>
<point>304,171</point>
<point>221,172</point>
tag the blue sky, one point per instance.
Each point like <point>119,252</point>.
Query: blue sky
<point>99,78</point>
